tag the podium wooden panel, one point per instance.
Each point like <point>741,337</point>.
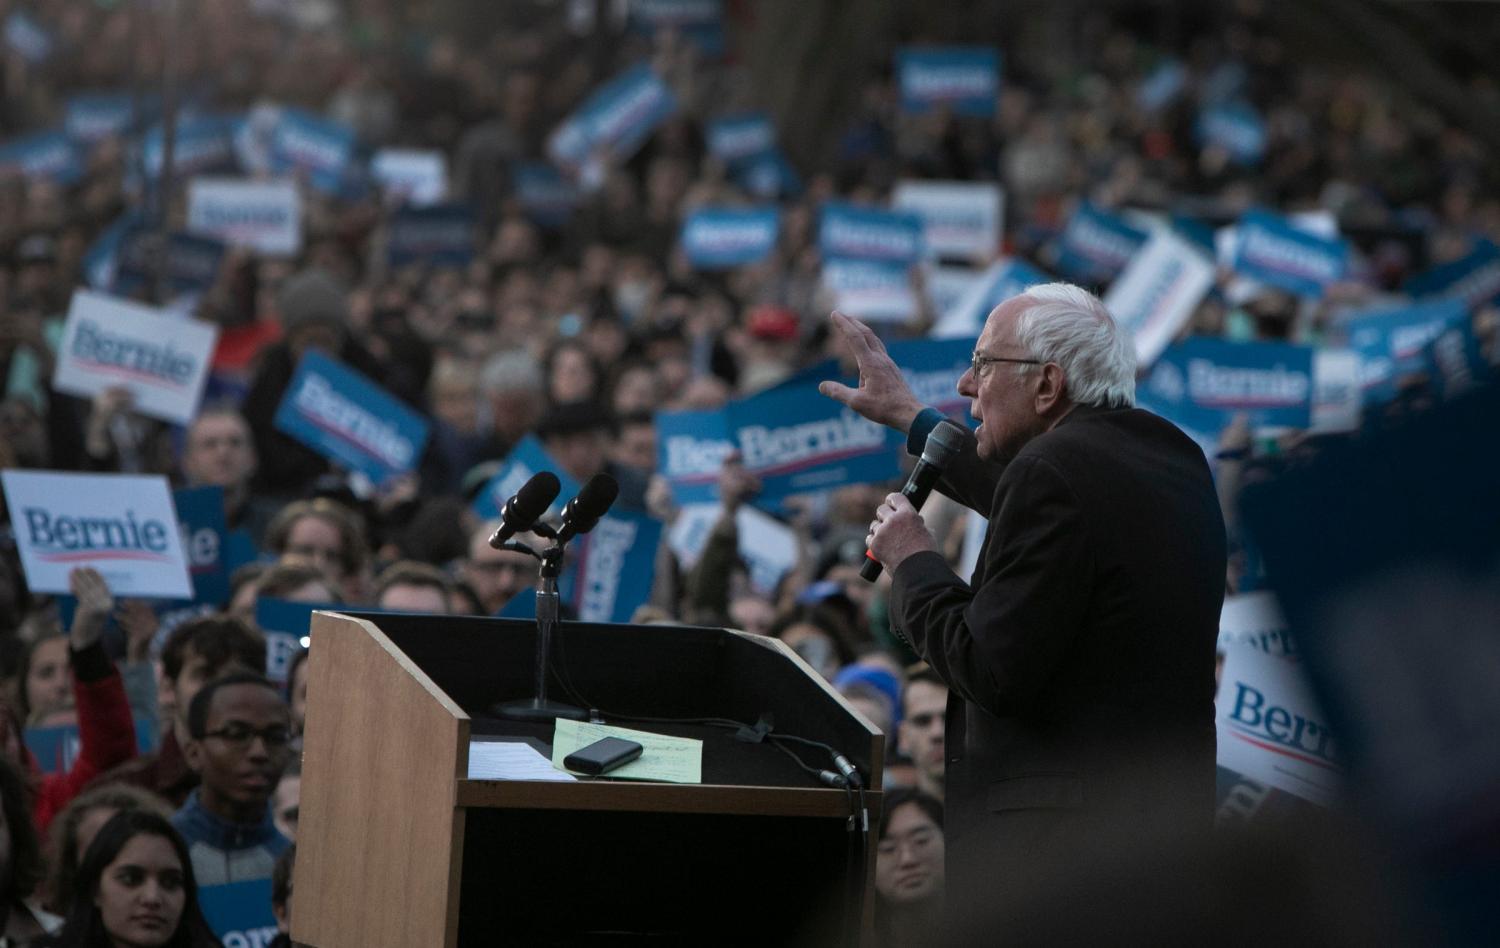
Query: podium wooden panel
<point>397,847</point>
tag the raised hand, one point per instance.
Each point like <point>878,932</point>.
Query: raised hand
<point>883,395</point>
<point>94,604</point>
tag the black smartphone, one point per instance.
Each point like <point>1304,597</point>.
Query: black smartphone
<point>602,756</point>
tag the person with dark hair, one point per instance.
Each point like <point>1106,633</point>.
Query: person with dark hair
<point>135,889</point>
<point>409,586</point>
<point>196,652</point>
<point>20,861</point>
<point>924,701</point>
<point>240,732</point>
<point>281,897</point>
<point>78,824</point>
<point>909,878</point>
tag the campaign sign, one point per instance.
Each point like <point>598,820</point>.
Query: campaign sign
<point>1270,381</point>
<point>442,234</point>
<point>239,913</point>
<point>200,514</point>
<point>797,441</point>
<point>616,119</point>
<point>93,117</point>
<point>724,238</point>
<point>52,156</point>
<point>768,175</point>
<point>1003,279</point>
<point>1338,398</point>
<point>1237,128</point>
<point>1157,292</point>
<point>543,193</point>
<point>964,80</point>
<point>734,138</point>
<point>959,219</point>
<point>200,144</point>
<point>1456,362</point>
<point>101,261</point>
<point>123,525</point>
<point>27,37</point>
<point>847,231</point>
<point>1270,727</point>
<point>947,286</point>
<point>265,216</point>
<point>1473,278</point>
<point>1393,342</point>
<point>416,176</point>
<point>161,359</point>
<point>286,624</point>
<point>527,459</point>
<point>1274,251</point>
<point>1255,620</point>
<point>700,21</point>
<point>616,564</point>
<point>691,447</point>
<point>932,368</point>
<point>873,290</point>
<point>350,420</point>
<point>1096,244</point>
<point>304,143</point>
<point>192,262</point>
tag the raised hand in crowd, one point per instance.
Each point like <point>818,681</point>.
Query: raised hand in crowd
<point>95,602</point>
<point>108,405</point>
<point>883,395</point>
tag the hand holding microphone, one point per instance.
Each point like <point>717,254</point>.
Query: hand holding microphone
<point>898,530</point>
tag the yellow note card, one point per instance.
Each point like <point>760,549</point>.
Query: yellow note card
<point>672,759</point>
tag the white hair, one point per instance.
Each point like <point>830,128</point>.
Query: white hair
<point>1069,325</point>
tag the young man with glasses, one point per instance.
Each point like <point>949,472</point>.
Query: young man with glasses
<point>240,733</point>
<point>1079,656</point>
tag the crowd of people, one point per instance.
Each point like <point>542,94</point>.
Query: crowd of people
<point>576,331</point>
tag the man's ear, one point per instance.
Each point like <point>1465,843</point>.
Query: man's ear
<point>1052,391</point>
<point>192,752</point>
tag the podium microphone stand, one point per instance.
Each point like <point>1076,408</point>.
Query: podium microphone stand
<point>539,708</point>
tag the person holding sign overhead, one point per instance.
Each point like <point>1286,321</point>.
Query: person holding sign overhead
<point>1080,654</point>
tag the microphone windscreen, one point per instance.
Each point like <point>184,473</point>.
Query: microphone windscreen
<point>533,499</point>
<point>594,499</point>
<point>943,444</point>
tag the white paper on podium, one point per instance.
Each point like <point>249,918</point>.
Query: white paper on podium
<point>511,760</point>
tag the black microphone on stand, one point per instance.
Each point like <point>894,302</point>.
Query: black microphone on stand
<point>583,512</point>
<point>520,513</point>
<point>943,444</point>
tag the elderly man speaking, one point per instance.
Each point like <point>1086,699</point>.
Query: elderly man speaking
<point>1080,654</point>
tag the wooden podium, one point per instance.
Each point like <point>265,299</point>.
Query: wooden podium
<point>397,847</point>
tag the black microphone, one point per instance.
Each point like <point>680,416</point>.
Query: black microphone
<point>943,443</point>
<point>520,513</point>
<point>583,512</point>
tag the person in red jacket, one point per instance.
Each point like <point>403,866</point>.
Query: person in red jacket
<point>105,729</point>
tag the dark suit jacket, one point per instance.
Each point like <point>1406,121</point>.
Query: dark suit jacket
<point>1080,657</point>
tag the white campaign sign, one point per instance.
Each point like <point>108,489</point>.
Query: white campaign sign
<point>1254,620</point>
<point>1271,729</point>
<point>768,546</point>
<point>123,525</point>
<point>960,219</point>
<point>161,357</point>
<point>418,175</point>
<point>1338,397</point>
<point>264,216</point>
<point>1158,290</point>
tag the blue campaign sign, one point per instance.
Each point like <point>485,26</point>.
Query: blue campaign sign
<point>92,116</point>
<point>1276,252</point>
<point>52,156</point>
<point>1473,278</point>
<point>932,368</point>
<point>321,149</point>
<point>1393,342</point>
<point>691,447</point>
<point>735,138</point>
<point>440,234</point>
<point>615,566</point>
<point>847,231</point>
<point>525,460</point>
<point>1161,88</point>
<point>1004,279</point>
<point>1456,363</point>
<point>101,260</point>
<point>350,420</point>
<point>964,80</point>
<point>796,441</point>
<point>1235,127</point>
<point>192,262</point>
<point>56,748</point>
<point>700,21</point>
<point>239,912</point>
<point>616,119</point>
<point>724,238</point>
<point>201,144</point>
<point>285,624</point>
<point>768,175</point>
<point>1096,244</point>
<point>544,194</point>
<point>200,516</point>
<point>1199,377</point>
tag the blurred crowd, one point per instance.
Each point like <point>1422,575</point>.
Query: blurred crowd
<point>576,330</point>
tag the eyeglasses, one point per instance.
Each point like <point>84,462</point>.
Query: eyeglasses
<point>240,736</point>
<point>977,366</point>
